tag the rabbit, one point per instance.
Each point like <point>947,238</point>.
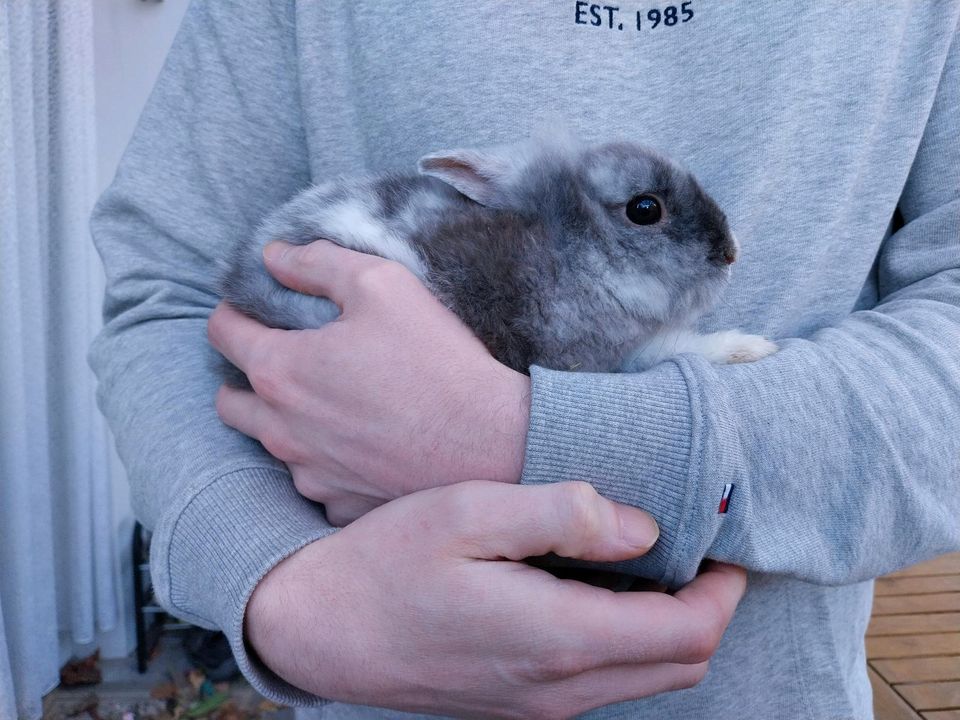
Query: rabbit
<point>571,257</point>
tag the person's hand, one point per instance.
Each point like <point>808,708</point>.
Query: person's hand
<point>421,605</point>
<point>394,396</point>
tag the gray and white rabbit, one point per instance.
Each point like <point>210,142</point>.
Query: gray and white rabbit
<point>572,257</point>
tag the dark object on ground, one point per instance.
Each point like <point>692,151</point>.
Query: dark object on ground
<point>151,620</point>
<point>85,671</point>
<point>210,651</point>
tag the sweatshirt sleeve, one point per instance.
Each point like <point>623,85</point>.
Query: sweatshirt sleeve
<point>218,145</point>
<point>843,448</point>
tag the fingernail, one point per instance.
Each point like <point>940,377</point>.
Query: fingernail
<point>274,251</point>
<point>637,528</point>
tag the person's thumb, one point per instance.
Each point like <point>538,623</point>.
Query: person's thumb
<point>497,520</point>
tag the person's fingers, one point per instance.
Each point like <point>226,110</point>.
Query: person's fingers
<point>321,268</point>
<point>719,587</point>
<point>243,410</point>
<point>619,683</point>
<point>498,520</point>
<point>239,338</point>
<point>592,627</point>
<point>603,628</point>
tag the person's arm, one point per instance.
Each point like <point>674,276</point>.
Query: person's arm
<point>235,547</point>
<point>844,448</point>
<point>421,606</point>
<point>219,145</point>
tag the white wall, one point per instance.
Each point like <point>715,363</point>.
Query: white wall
<point>131,40</point>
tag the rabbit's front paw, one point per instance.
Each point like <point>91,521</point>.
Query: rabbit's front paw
<point>733,346</point>
<point>751,349</point>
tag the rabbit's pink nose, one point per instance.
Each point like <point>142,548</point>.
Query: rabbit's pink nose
<point>730,257</point>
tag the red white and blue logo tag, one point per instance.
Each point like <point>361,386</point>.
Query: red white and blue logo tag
<point>725,498</point>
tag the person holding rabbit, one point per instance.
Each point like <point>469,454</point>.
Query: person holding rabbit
<point>361,540</point>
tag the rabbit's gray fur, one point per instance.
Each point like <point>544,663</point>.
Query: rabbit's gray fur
<point>529,244</point>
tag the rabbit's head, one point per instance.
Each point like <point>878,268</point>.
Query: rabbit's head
<point>619,217</point>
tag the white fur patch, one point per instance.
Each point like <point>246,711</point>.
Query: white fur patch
<point>643,294</point>
<point>722,348</point>
<point>733,346</point>
<point>419,204</point>
<point>354,227</point>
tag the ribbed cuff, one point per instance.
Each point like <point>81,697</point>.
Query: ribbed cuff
<point>208,556</point>
<point>635,437</point>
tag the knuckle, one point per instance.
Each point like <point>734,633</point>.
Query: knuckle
<point>703,642</point>
<point>563,664</point>
<point>311,254</point>
<point>217,318</point>
<point>268,376</point>
<point>378,276</point>
<point>279,445</point>
<point>700,672</point>
<point>579,508</point>
<point>213,329</point>
<point>553,666</point>
<point>716,626</point>
<point>220,402</point>
<point>691,675</point>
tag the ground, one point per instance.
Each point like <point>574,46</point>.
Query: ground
<point>169,690</point>
<point>913,642</point>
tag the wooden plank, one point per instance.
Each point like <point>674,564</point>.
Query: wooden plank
<point>903,604</point>
<point>914,624</point>
<point>905,646</point>
<point>932,696</point>
<point>918,585</point>
<point>923,669</point>
<point>943,565</point>
<point>938,715</point>
<point>887,705</point>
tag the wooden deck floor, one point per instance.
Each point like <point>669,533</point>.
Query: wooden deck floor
<point>913,643</point>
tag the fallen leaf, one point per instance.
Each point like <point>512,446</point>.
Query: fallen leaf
<point>85,671</point>
<point>164,691</point>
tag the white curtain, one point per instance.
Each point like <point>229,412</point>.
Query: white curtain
<point>58,568</point>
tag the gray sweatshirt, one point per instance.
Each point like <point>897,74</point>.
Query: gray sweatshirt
<point>811,122</point>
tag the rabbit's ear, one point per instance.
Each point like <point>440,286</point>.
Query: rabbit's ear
<point>484,177</point>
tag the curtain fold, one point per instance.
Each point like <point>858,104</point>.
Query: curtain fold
<point>58,571</point>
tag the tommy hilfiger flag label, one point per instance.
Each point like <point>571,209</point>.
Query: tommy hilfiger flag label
<point>725,498</point>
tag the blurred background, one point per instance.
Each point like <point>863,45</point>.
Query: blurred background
<point>74,75</point>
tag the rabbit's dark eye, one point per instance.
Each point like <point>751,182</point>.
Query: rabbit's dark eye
<point>644,210</point>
